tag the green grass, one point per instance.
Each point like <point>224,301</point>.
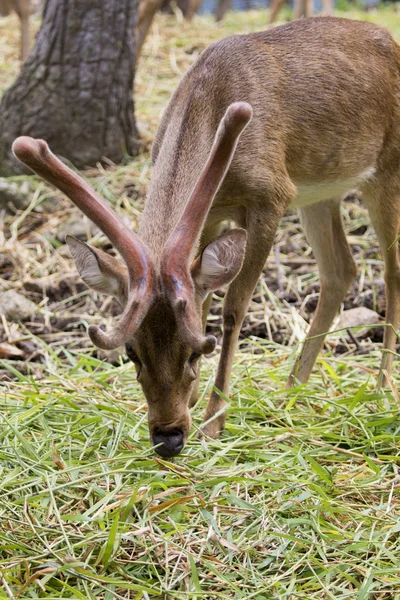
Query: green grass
<point>299,499</point>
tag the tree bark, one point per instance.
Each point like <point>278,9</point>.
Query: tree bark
<point>76,89</point>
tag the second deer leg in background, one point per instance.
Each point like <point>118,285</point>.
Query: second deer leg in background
<point>146,12</point>
<point>275,7</point>
<point>222,8</point>
<point>302,8</point>
<point>328,7</point>
<point>23,8</point>
<point>261,224</point>
<point>323,227</point>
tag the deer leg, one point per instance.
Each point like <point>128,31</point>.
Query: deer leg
<point>5,8</point>
<point>25,37</point>
<point>191,9</point>
<point>23,9</point>
<point>146,13</point>
<point>299,9</point>
<point>327,7</point>
<point>261,228</point>
<point>323,227</point>
<point>308,8</point>
<point>302,8</point>
<point>209,234</point>
<point>222,9</point>
<point>195,393</point>
<point>384,209</point>
<point>276,6</point>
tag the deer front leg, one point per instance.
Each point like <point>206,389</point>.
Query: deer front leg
<point>210,232</point>
<point>195,393</point>
<point>261,228</point>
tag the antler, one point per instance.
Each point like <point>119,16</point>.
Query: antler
<point>36,155</point>
<point>175,266</point>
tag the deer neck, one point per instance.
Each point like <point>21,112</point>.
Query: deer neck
<point>182,150</point>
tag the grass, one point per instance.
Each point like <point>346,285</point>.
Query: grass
<point>298,499</point>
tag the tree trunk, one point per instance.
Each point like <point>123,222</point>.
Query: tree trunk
<point>76,89</point>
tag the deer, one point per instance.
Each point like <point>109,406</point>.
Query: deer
<point>291,117</point>
<point>301,8</point>
<point>147,10</point>
<point>24,9</point>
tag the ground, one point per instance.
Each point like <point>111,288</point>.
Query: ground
<point>299,497</point>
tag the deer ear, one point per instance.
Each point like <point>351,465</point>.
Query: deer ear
<point>99,270</point>
<point>220,261</point>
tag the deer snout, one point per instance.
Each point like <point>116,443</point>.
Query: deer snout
<point>168,442</point>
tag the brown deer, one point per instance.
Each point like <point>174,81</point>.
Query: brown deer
<point>24,9</point>
<point>316,104</point>
<point>147,10</point>
<point>301,8</point>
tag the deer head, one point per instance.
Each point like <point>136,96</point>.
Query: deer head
<point>161,324</point>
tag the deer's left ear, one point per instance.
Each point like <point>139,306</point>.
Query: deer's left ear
<point>99,270</point>
<point>219,262</point>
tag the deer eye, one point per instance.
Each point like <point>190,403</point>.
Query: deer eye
<point>131,354</point>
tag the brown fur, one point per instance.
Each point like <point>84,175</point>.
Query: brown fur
<point>322,112</point>
<point>326,117</point>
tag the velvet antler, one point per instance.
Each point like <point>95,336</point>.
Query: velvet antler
<point>36,155</point>
<point>182,242</point>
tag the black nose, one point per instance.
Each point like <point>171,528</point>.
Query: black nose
<point>168,442</point>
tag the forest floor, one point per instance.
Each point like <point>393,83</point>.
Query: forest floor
<point>300,496</point>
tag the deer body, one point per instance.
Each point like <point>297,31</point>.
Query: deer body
<point>321,142</point>
<point>315,118</point>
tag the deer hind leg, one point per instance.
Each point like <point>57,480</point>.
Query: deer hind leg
<point>261,224</point>
<point>323,227</point>
<point>384,208</point>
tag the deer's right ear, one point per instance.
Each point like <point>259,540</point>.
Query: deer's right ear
<point>99,270</point>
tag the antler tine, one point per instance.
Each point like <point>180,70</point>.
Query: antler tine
<point>182,242</point>
<point>138,304</point>
<point>36,155</point>
<point>186,319</point>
